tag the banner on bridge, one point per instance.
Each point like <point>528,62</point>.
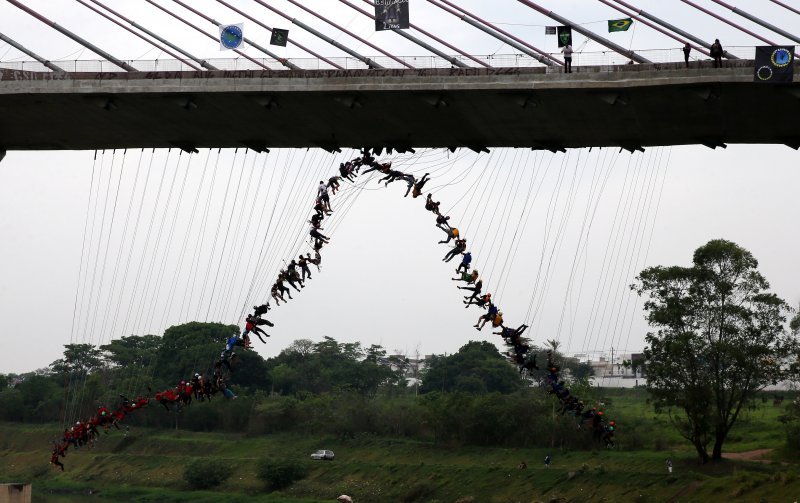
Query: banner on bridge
<point>564,36</point>
<point>231,36</point>
<point>279,37</point>
<point>391,15</point>
<point>774,63</point>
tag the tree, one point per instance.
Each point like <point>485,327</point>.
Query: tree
<point>132,351</point>
<point>720,338</point>
<point>191,347</point>
<point>82,358</point>
<point>476,368</point>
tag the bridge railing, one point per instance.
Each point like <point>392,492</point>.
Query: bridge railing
<point>584,58</point>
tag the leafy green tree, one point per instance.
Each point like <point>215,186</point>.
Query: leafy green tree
<point>476,368</point>
<point>137,351</point>
<point>78,358</point>
<point>331,366</point>
<point>191,347</point>
<point>720,338</point>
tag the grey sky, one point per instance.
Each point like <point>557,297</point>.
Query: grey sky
<point>382,279</point>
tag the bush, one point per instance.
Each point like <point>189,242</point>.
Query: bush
<point>278,474</point>
<point>205,474</point>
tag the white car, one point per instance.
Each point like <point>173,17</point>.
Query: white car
<point>323,454</point>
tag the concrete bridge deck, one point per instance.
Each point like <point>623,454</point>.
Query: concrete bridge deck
<point>629,106</point>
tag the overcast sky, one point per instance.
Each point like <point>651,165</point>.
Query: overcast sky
<point>144,241</point>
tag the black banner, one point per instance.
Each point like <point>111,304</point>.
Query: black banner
<point>774,63</point>
<point>564,36</point>
<point>391,15</point>
<point>279,37</point>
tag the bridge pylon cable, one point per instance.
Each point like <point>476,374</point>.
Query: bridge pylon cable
<point>728,22</point>
<point>125,66</point>
<point>367,61</point>
<point>769,26</point>
<point>493,33</point>
<point>583,31</point>
<point>157,46</point>
<point>628,13</point>
<point>261,24</point>
<point>32,54</point>
<point>285,62</point>
<point>201,62</point>
<point>452,60</point>
<point>350,33</point>
<point>526,47</point>
<point>444,43</point>
<point>788,7</point>
<point>200,30</point>
<point>672,27</point>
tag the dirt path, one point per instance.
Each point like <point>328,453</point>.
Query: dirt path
<point>755,455</point>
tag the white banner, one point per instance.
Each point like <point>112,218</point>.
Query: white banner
<point>231,36</point>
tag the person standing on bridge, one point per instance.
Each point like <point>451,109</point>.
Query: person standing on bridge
<point>567,50</point>
<point>686,50</point>
<point>716,53</point>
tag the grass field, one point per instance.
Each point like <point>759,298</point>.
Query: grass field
<point>148,466</point>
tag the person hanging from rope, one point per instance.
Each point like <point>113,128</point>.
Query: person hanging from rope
<point>316,221</point>
<point>262,309</point>
<point>222,386</point>
<point>291,277</point>
<point>167,397</point>
<point>333,184</point>
<point>498,320</point>
<point>491,311</point>
<point>319,208</point>
<point>466,260</point>
<point>391,176</point>
<point>253,323</point>
<point>346,170</point>
<point>58,451</point>
<point>475,289</point>
<point>283,288</point>
<point>322,195</point>
<point>460,247</point>
<point>452,233</point>
<point>319,238</point>
<point>468,277</point>
<point>416,187</point>
<point>317,260</point>
<point>303,263</point>
<point>383,168</point>
<point>512,333</point>
<point>277,294</point>
<point>432,205</point>
<point>197,386</point>
<point>442,222</point>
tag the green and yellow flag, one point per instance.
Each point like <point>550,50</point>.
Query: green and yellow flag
<point>619,24</point>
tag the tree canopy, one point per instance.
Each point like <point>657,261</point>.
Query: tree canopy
<point>476,368</point>
<point>720,338</point>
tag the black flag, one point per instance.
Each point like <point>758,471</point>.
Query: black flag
<point>391,15</point>
<point>549,30</point>
<point>279,37</point>
<point>774,63</point>
<point>564,36</point>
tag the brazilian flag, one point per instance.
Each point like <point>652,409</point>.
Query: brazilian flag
<point>619,24</point>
